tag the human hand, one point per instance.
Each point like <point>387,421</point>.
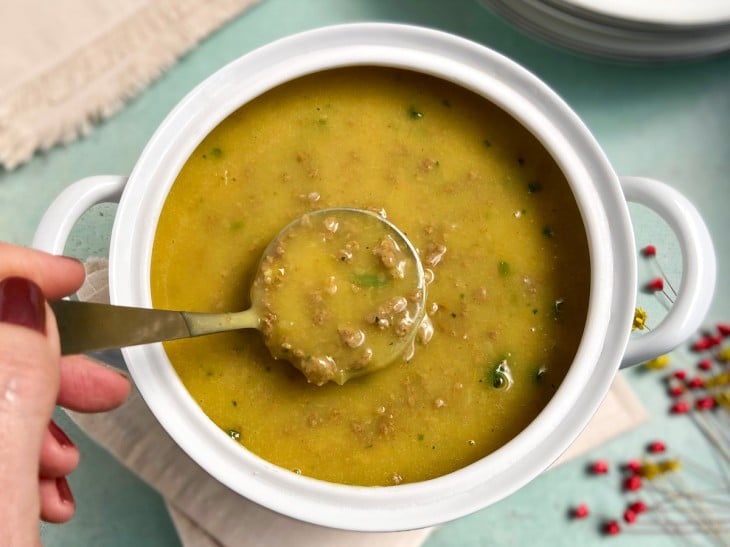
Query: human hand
<point>35,454</point>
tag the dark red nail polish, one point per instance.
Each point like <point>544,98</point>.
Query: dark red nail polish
<point>59,435</point>
<point>64,490</point>
<point>22,303</point>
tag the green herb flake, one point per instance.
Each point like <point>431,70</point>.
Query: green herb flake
<point>420,436</point>
<point>236,225</point>
<point>500,375</point>
<point>547,231</point>
<point>503,268</point>
<point>487,143</point>
<point>539,374</point>
<point>558,307</point>
<point>521,161</point>
<point>498,381</point>
<point>234,402</point>
<point>414,114</point>
<point>534,187</point>
<point>371,281</point>
<point>234,434</point>
<point>216,152</point>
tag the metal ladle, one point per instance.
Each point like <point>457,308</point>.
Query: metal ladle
<point>295,302</point>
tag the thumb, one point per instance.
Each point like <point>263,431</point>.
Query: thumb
<point>29,380</point>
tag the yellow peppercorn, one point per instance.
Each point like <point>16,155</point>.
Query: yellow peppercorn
<point>718,380</point>
<point>724,354</point>
<point>649,471</point>
<point>658,363</point>
<point>639,319</point>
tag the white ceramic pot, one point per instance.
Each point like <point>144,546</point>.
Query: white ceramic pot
<point>601,196</point>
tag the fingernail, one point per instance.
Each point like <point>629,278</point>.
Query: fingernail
<point>22,303</point>
<point>72,259</point>
<point>64,490</point>
<point>123,374</point>
<point>114,368</point>
<point>59,435</point>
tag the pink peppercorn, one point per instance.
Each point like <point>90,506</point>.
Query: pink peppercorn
<point>695,383</point>
<point>723,329</point>
<point>705,364</point>
<point>611,528</point>
<point>705,403</point>
<point>680,407</point>
<point>633,483</point>
<point>655,285</point>
<point>676,390</point>
<point>599,467</point>
<point>680,374</point>
<point>656,447</point>
<point>702,344</point>
<point>649,250</point>
<point>581,511</point>
<point>634,466</point>
<point>714,340</point>
<point>638,507</point>
<point>630,516</point>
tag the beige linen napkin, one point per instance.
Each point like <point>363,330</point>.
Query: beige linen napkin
<point>66,64</point>
<point>207,514</point>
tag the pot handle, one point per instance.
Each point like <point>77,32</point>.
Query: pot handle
<point>67,208</point>
<point>698,269</point>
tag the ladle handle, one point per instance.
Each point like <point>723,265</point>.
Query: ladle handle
<point>89,326</point>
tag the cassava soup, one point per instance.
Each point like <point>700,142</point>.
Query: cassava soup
<point>498,232</point>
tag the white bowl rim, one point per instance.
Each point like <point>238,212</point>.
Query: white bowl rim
<point>517,91</point>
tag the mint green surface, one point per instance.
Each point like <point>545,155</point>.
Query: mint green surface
<point>667,121</point>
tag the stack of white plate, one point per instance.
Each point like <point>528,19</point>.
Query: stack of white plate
<point>626,29</point>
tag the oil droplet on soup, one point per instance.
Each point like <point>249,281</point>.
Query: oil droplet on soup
<point>499,235</point>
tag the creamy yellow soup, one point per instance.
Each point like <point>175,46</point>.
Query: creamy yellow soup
<point>498,232</point>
